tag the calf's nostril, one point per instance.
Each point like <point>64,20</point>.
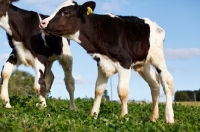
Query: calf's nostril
<point>43,23</point>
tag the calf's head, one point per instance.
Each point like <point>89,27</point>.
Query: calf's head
<point>4,6</point>
<point>66,18</point>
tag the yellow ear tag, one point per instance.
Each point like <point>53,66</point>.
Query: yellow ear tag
<point>89,10</point>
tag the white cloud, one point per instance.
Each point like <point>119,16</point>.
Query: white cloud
<point>3,58</point>
<point>5,44</point>
<point>42,6</point>
<point>183,53</point>
<point>79,79</point>
<point>58,79</point>
<point>113,5</point>
<point>80,1</point>
<point>178,68</point>
<point>46,2</point>
<point>50,6</point>
<point>2,35</point>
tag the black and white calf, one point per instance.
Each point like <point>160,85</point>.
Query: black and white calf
<point>32,48</point>
<point>118,44</point>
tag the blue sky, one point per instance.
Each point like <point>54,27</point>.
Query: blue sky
<point>180,20</point>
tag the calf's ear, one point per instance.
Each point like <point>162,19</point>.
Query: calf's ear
<point>87,8</point>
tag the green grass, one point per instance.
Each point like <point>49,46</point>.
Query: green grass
<point>57,117</point>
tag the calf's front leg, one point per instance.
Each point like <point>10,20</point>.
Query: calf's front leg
<point>99,89</point>
<point>39,84</point>
<point>6,73</point>
<point>123,88</point>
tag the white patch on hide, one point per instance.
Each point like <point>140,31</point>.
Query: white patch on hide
<point>111,15</point>
<point>4,23</point>
<point>65,4</point>
<point>24,55</point>
<point>74,37</point>
<point>106,64</point>
<point>66,47</point>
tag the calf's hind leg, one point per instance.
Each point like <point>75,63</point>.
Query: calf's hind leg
<point>157,36</point>
<point>49,77</point>
<point>66,63</point>
<point>150,76</point>
<point>167,83</point>
<point>6,72</point>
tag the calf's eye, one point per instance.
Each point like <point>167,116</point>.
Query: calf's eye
<point>66,13</point>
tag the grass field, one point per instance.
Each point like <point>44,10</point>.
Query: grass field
<point>191,103</point>
<point>24,116</point>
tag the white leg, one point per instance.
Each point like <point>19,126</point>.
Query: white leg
<point>157,36</point>
<point>49,77</point>
<point>39,84</point>
<point>168,86</point>
<point>152,79</point>
<point>5,75</point>
<point>99,89</point>
<point>66,63</point>
<point>166,81</point>
<point>123,88</point>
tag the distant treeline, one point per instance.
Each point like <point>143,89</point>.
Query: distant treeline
<point>187,95</point>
